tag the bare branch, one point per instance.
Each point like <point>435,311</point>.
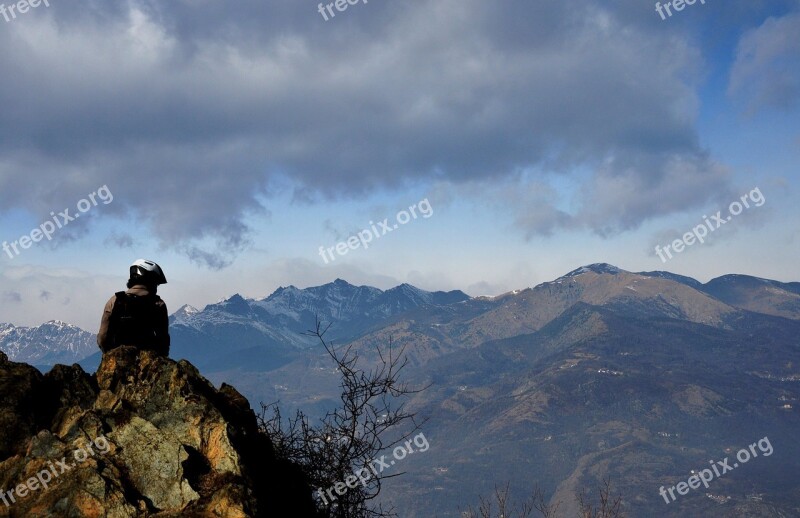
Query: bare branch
<point>371,418</point>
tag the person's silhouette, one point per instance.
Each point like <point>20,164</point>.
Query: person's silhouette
<point>137,317</point>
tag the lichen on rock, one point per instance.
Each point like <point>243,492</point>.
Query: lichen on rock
<point>176,446</point>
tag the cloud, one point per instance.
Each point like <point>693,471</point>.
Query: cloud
<point>123,240</point>
<point>484,288</point>
<point>37,294</point>
<point>766,73</point>
<point>12,296</point>
<point>621,198</point>
<point>330,229</point>
<point>195,115</point>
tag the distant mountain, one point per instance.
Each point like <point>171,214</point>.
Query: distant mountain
<point>183,314</point>
<point>694,283</point>
<point>47,344</point>
<point>266,333</point>
<point>597,392</point>
<point>602,372</point>
<point>599,268</point>
<point>476,321</point>
<point>340,301</point>
<point>252,334</point>
<point>755,294</point>
<point>433,331</point>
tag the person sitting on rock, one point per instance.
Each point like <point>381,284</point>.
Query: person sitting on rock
<point>137,317</point>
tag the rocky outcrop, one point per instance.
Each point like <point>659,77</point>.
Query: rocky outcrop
<point>145,436</point>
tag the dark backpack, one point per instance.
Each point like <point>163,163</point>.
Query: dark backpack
<point>134,320</point>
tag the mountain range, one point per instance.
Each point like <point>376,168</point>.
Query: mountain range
<point>46,345</point>
<point>640,377</point>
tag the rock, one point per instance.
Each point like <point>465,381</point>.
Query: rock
<point>18,386</point>
<point>145,436</point>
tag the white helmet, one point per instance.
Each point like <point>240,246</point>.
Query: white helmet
<point>147,271</point>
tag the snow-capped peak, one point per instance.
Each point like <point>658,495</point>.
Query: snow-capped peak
<point>187,310</point>
<point>52,342</point>
<point>599,268</point>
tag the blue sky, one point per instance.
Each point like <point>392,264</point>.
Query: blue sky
<point>237,139</point>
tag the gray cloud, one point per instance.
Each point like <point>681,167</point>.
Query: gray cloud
<point>12,296</point>
<point>618,199</point>
<point>123,240</point>
<point>192,114</point>
<point>767,68</point>
<point>332,230</point>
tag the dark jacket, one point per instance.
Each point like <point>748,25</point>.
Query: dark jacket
<point>152,331</point>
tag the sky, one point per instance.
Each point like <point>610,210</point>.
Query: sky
<point>473,145</point>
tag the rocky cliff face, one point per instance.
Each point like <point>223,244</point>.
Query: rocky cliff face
<point>145,436</point>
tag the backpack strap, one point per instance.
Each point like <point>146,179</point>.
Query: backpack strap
<point>119,308</point>
<point>118,296</point>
